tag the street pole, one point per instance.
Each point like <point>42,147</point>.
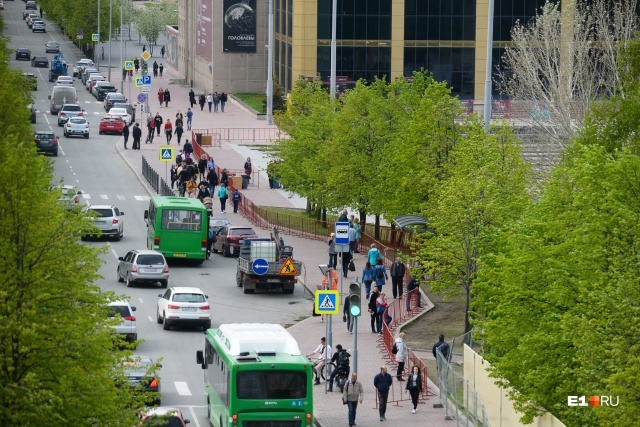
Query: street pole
<point>487,81</point>
<point>332,83</point>
<point>110,11</point>
<point>329,333</point>
<point>355,337</point>
<point>95,52</point>
<point>121,49</point>
<point>270,67</point>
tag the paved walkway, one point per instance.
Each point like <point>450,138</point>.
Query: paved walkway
<point>328,409</point>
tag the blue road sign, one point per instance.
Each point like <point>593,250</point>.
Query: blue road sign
<point>80,32</point>
<point>327,302</point>
<point>166,154</point>
<point>142,97</point>
<point>260,266</point>
<point>342,233</point>
<point>146,80</point>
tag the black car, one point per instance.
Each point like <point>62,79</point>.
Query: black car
<point>103,91</point>
<point>23,53</point>
<point>40,61</point>
<point>113,99</point>
<point>32,113</point>
<point>47,142</point>
<point>30,5</point>
<point>32,79</point>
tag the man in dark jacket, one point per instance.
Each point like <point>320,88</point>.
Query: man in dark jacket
<point>382,382</point>
<point>157,120</point>
<point>413,284</point>
<point>373,296</point>
<point>192,98</point>
<point>397,272</point>
<point>125,135</point>
<point>443,346</point>
<point>343,217</point>
<point>188,149</point>
<point>137,134</point>
<point>167,97</point>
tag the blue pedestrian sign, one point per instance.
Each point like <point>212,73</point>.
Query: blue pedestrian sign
<point>260,266</point>
<point>166,154</point>
<point>142,98</point>
<point>327,302</point>
<point>146,80</point>
<point>342,233</point>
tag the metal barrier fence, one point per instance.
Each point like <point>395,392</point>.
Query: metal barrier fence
<point>457,395</point>
<point>158,184</point>
<point>242,134</point>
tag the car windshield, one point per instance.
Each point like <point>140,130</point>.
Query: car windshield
<point>150,260</point>
<point>241,231</point>
<point>122,310</point>
<point>44,135</point>
<point>188,297</point>
<point>77,120</point>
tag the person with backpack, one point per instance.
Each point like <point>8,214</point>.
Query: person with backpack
<point>235,198</point>
<point>368,276</point>
<point>400,348</point>
<point>381,274</point>
<point>341,360</point>
<point>223,194</point>
<point>374,255</point>
<point>397,272</point>
<point>444,348</point>
<point>372,307</point>
<point>211,239</point>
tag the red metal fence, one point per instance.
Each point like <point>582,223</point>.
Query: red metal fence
<point>243,134</point>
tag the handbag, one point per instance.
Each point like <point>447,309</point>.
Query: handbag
<point>352,266</point>
<point>344,317</point>
<point>344,401</point>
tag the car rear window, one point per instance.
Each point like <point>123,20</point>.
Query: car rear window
<point>241,231</point>
<point>188,297</point>
<point>77,120</point>
<point>122,310</point>
<point>150,260</point>
<point>111,119</point>
<point>103,212</point>
<point>72,108</point>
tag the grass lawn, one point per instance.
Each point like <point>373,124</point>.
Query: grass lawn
<point>253,100</point>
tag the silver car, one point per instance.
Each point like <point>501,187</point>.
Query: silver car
<point>70,197</point>
<point>76,126</point>
<point>68,111</point>
<point>39,26</point>
<point>127,325</point>
<point>80,65</point>
<point>143,266</point>
<point>108,219</point>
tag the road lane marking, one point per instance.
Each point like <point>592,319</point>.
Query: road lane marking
<point>140,299</point>
<point>182,388</point>
<point>114,253</point>
<point>86,196</point>
<point>121,197</point>
<point>150,319</point>
<point>194,417</point>
<point>138,198</point>
<point>104,197</point>
<point>87,102</point>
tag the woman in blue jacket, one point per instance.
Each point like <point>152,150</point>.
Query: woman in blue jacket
<point>368,276</point>
<point>380,274</point>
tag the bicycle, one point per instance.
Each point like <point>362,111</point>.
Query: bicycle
<point>182,188</point>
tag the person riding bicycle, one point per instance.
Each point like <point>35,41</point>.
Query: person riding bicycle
<point>323,351</point>
<point>341,361</point>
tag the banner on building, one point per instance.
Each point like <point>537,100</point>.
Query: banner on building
<point>172,47</point>
<point>239,26</point>
<point>204,28</point>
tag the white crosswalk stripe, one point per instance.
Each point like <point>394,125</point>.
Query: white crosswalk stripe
<point>87,196</point>
<point>120,197</point>
<point>182,388</point>
<point>104,197</point>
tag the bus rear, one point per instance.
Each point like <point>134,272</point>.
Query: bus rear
<point>177,227</point>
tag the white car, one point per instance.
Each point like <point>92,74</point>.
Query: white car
<point>121,112</point>
<point>64,80</point>
<point>127,325</point>
<point>94,77</point>
<point>80,64</point>
<point>76,126</point>
<point>183,306</point>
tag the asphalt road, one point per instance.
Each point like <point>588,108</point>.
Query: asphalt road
<point>96,168</point>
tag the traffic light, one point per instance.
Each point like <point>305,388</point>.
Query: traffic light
<point>354,299</point>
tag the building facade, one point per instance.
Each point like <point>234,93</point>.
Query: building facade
<point>222,44</point>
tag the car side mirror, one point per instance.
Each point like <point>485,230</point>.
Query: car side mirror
<point>206,296</point>
<point>146,214</point>
<point>187,421</point>
<point>159,295</point>
<point>199,357</point>
<point>49,97</point>
<point>120,258</point>
<point>121,213</point>
<point>80,191</point>
<point>133,309</point>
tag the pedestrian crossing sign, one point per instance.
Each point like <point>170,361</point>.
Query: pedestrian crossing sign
<point>289,268</point>
<point>138,82</point>
<point>166,154</point>
<point>327,302</point>
<point>128,65</point>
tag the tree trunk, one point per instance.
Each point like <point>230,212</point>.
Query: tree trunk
<point>376,232</point>
<point>467,303</point>
<point>309,209</point>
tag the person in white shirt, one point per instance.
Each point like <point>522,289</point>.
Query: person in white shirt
<point>401,355</point>
<point>324,353</point>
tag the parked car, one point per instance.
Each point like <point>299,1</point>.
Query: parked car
<point>92,80</point>
<point>143,266</point>
<point>39,27</point>
<point>78,66</point>
<point>68,111</point>
<point>163,416</point>
<point>101,90</point>
<point>216,223</point>
<point>40,61</point>
<point>108,218</point>
<point>183,306</point>
<point>46,142</point>
<point>127,325</point>
<point>70,197</point>
<point>30,5</point>
<point>86,72</point>
<point>229,239</point>
<point>32,113</point>
<point>32,80</point>
<point>121,112</point>
<point>111,97</point>
<point>140,374</point>
<point>52,46</point>
<point>23,53</point>
<point>131,109</point>
<point>111,124</point>
<point>76,126</point>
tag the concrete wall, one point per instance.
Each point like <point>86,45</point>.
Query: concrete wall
<point>499,407</point>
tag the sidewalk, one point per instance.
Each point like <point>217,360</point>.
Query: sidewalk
<point>328,408</point>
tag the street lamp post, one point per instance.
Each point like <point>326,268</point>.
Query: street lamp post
<point>334,19</point>
<point>110,13</point>
<point>121,48</point>
<point>270,67</point>
<point>95,52</point>
<point>487,81</point>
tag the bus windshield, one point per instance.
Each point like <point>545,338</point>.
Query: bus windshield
<point>178,219</point>
<point>271,385</point>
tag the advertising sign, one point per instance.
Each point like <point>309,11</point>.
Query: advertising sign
<point>239,26</point>
<point>204,28</point>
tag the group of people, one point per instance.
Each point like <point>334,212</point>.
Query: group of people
<point>215,100</point>
<point>164,96</point>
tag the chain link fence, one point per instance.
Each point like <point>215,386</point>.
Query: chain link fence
<point>457,395</point>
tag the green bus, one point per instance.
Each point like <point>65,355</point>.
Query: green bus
<point>256,376</point>
<point>178,227</point>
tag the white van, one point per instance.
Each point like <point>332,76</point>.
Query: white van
<point>62,95</point>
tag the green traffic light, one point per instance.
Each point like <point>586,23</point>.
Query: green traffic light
<point>355,311</point>
<point>354,305</point>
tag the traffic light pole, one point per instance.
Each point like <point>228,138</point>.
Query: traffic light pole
<point>355,311</point>
<point>329,335</point>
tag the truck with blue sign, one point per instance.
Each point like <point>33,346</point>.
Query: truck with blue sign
<point>267,264</point>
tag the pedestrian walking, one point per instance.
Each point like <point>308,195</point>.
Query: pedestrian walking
<point>151,126</point>
<point>173,174</point>
<point>201,101</point>
<point>352,237</point>
<point>189,118</point>
<point>160,96</point>
<point>188,149</point>
<point>382,382</point>
<point>444,348</point>
<point>41,12</point>
<point>216,101</point>
<point>368,276</point>
<point>223,101</point>
<point>179,131</point>
<point>223,194</point>
<point>333,256</point>
<point>235,198</point>
<point>381,274</point>
<point>373,255</point>
<point>125,135</point>
<point>137,134</point>
<point>353,393</point>
<point>413,284</point>
<point>381,312</point>
<point>356,226</point>
<point>155,68</point>
<point>167,97</point>
<point>168,130</point>
<point>192,98</point>
<point>136,64</point>
<point>224,177</point>
<point>144,48</point>
<point>414,387</point>
<point>179,118</point>
<point>401,354</point>
<point>212,177</point>
<point>160,69</point>
<point>372,307</point>
<point>210,100</point>
<point>158,122</point>
<point>161,54</point>
<point>346,259</point>
<point>346,314</point>
<point>397,272</point>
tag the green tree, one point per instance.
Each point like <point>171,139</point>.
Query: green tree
<point>152,20</point>
<point>484,190</point>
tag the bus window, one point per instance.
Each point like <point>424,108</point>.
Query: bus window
<point>271,385</point>
<point>174,219</point>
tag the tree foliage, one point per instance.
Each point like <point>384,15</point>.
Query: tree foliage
<point>73,15</point>
<point>557,299</point>
<point>151,20</point>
